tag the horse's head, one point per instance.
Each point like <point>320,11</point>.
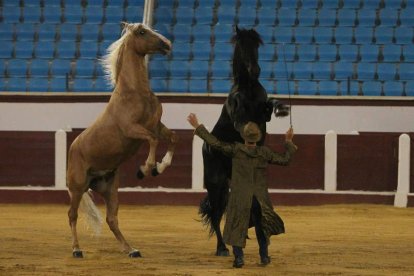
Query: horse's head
<point>145,40</point>
<point>246,53</point>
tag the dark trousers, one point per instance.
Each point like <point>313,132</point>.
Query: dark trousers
<point>255,217</point>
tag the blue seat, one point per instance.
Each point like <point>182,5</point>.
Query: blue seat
<point>163,15</point>
<point>282,70</point>
<point>268,84</point>
<point>303,35</point>
<point>344,35</point>
<point>283,34</point>
<point>179,69</point>
<point>351,4</point>
<point>58,84</point>
<point>118,3</point>
<point>3,66</point>
<point>84,68</point>
<point>68,31</point>
<point>266,71</point>
<point>367,17</point>
<point>39,67</point>
<point>114,14</point>
<point>406,16</point>
<point>266,16</point>
<point>323,35</point>
<point>182,32</point>
<point>306,52</point>
<point>372,4</point>
<point>283,87</point>
<point>202,33</point>
<point>158,85</point>
<point>93,14</point>
<point>203,16</point>
<point>311,4</point>
<point>406,71</point>
<point>17,84</point>
<point>403,35</point>
<point>181,51</point>
<point>409,88</point>
<point>364,35</point>
<point>46,32</point>
<point>220,69</point>
<point>346,17</point>
<point>388,17</point>
<point>201,50</point>
<point>23,49</point>
<point>223,51</point>
<point>302,70</point>
<point>44,49</point>
<point>73,14</point>
<point>178,85</point>
<point>290,4</point>
<point>158,68</point>
<point>392,53</point>
<point>38,85</point>
<point>220,85</point>
<point>384,35</point>
<point>348,52</point>
<point>330,4</point>
<point>184,15</point>
<point>343,70</point>
<point>198,85</point>
<point>305,87</point>
<point>286,17</point>
<point>226,14</point>
<point>267,52</point>
<point>286,52</point>
<point>246,15</point>
<point>17,67</point>
<point>51,14</point>
<point>66,49</point>
<point>102,85</point>
<point>408,52</point>
<point>307,16</point>
<point>327,17</point>
<point>393,88</point>
<point>328,88</point>
<point>165,3</point>
<point>88,49</point>
<point>11,14</point>
<point>206,3</point>
<point>369,52</point>
<point>199,68</point>
<point>322,71</point>
<point>134,13</point>
<point>60,67</point>
<point>31,13</point>
<point>90,32</point>
<point>327,52</point>
<point>6,31</point>
<point>266,33</point>
<point>83,85</point>
<point>223,33</point>
<point>366,71</point>
<point>25,31</point>
<point>371,88</point>
<point>111,31</point>
<point>3,84</point>
<point>386,71</point>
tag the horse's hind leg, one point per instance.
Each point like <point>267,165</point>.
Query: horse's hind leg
<point>75,198</point>
<point>172,138</point>
<point>218,205</point>
<point>112,204</point>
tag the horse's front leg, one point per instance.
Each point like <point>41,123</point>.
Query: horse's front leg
<point>172,138</point>
<point>139,132</point>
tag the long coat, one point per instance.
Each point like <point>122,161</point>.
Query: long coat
<point>248,181</point>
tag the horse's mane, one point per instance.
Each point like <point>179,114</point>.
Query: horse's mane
<point>114,51</point>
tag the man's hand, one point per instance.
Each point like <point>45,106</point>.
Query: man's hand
<point>192,119</point>
<point>289,135</point>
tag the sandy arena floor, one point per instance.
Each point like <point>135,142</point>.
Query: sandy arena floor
<point>324,240</point>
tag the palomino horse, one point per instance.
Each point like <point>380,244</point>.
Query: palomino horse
<point>246,102</point>
<point>131,118</point>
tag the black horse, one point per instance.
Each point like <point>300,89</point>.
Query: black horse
<point>247,101</point>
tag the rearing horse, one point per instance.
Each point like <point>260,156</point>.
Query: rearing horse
<point>131,118</point>
<point>247,101</point>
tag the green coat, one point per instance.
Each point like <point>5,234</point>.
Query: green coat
<point>248,180</point>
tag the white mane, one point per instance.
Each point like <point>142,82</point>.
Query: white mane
<point>109,61</point>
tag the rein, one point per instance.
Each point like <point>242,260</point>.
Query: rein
<point>288,84</point>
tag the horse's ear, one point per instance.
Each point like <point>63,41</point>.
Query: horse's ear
<point>124,25</point>
<point>236,28</point>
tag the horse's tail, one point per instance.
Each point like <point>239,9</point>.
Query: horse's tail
<point>206,213</point>
<point>93,216</point>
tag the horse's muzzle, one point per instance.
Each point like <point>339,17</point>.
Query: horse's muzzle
<point>165,47</point>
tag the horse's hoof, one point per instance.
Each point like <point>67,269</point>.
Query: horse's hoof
<point>140,174</point>
<point>223,252</point>
<point>135,254</point>
<point>77,254</point>
<point>154,171</point>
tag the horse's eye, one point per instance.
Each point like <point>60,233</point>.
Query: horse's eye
<point>142,32</point>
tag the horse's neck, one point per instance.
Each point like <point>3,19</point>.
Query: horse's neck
<point>132,74</point>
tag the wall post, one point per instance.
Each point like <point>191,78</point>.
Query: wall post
<point>403,187</point>
<point>197,165</point>
<point>60,159</point>
<point>330,182</point>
